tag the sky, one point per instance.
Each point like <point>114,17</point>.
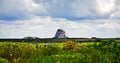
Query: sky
<point>42,18</point>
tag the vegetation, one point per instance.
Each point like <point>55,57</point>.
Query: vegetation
<point>4,60</point>
<point>66,52</point>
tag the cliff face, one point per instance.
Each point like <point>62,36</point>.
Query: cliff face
<point>60,34</point>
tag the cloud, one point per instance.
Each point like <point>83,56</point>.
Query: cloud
<point>23,9</point>
<point>68,9</point>
<point>79,18</point>
<point>44,27</point>
<point>115,14</point>
<point>105,6</point>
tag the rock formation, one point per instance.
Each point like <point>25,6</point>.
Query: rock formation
<point>60,34</point>
<point>29,38</point>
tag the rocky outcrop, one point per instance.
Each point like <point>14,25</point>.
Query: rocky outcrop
<point>60,34</point>
<point>29,38</point>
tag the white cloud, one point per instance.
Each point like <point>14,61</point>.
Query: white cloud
<point>116,13</point>
<point>105,6</point>
<point>44,27</point>
<point>43,17</point>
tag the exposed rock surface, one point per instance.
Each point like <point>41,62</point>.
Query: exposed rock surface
<point>60,34</point>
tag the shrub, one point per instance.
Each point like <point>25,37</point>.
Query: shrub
<point>70,45</point>
<point>3,60</point>
<point>49,50</point>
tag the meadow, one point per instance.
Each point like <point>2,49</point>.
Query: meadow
<point>64,52</point>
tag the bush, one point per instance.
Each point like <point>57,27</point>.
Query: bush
<point>70,45</point>
<point>67,52</point>
<point>66,58</point>
<point>3,60</point>
<point>49,50</point>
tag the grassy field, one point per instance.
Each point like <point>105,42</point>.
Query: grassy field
<point>65,52</point>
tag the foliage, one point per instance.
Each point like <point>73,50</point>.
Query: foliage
<point>70,45</point>
<point>3,60</point>
<point>66,52</point>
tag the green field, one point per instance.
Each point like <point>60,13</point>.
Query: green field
<point>65,52</point>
